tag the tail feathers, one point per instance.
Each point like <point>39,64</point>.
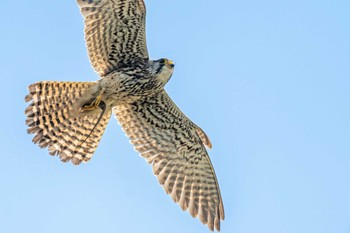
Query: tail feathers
<point>70,137</point>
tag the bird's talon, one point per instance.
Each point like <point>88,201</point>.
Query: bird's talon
<point>94,104</point>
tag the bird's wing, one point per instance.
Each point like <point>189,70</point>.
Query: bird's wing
<point>173,144</point>
<point>114,33</point>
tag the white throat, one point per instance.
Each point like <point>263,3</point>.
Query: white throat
<point>165,74</point>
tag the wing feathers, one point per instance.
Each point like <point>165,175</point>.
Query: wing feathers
<point>114,33</point>
<point>174,146</point>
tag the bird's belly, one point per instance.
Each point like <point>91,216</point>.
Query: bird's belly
<point>121,88</point>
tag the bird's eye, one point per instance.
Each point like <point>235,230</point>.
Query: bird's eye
<point>162,61</point>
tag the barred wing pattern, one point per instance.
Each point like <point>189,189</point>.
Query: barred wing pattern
<point>114,33</point>
<point>49,120</point>
<point>173,144</point>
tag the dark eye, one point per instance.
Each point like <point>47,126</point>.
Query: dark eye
<point>161,61</point>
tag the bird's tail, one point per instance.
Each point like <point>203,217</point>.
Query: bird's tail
<point>49,117</point>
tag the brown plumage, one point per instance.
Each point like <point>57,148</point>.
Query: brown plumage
<point>69,118</point>
<point>48,118</point>
<point>170,142</point>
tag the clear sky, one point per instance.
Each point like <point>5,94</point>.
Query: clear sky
<point>269,81</point>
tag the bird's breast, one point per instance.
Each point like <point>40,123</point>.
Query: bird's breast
<point>122,87</point>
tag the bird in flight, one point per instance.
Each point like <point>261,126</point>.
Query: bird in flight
<point>69,118</point>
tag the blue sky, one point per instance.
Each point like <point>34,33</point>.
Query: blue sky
<point>269,81</point>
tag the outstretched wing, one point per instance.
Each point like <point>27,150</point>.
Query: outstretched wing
<point>114,32</point>
<point>173,144</point>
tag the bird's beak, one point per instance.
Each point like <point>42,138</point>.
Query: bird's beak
<point>170,63</point>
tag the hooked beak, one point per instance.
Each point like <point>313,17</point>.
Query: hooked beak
<point>170,63</point>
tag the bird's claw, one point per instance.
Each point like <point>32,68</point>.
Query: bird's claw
<point>94,104</point>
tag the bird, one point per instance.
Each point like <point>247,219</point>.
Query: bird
<point>69,118</point>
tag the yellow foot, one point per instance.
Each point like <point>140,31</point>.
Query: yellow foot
<point>94,104</point>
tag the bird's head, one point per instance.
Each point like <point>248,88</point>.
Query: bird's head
<point>166,62</point>
<point>164,69</point>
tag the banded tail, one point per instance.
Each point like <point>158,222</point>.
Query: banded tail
<point>70,136</point>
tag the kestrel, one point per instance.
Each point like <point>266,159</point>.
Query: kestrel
<point>69,118</point>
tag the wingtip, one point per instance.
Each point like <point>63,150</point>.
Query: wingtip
<point>204,137</point>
